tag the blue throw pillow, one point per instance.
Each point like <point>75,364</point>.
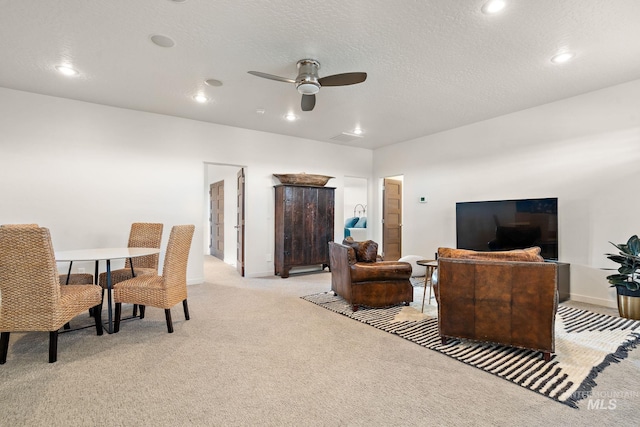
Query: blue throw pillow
<point>351,222</point>
<point>362,223</point>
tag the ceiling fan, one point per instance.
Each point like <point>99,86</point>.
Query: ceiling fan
<point>308,83</point>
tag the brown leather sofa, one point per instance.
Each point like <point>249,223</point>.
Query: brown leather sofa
<point>507,297</point>
<point>358,276</point>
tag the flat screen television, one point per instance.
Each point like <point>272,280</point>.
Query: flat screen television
<point>501,225</point>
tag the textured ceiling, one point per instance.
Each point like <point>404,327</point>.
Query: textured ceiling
<point>432,65</point>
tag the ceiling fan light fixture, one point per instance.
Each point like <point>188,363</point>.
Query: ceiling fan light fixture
<point>308,88</point>
<point>308,83</point>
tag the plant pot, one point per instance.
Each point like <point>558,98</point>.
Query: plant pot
<point>628,303</point>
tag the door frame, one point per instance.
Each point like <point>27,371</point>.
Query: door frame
<point>382,213</point>
<point>240,219</point>
<point>209,177</point>
<point>216,239</point>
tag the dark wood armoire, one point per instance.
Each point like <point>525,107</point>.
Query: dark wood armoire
<point>304,226</point>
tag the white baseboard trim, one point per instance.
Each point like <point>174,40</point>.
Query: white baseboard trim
<point>294,270</point>
<point>596,301</point>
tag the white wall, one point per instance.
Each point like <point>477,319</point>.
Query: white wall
<point>355,194</point>
<point>88,171</point>
<point>584,150</point>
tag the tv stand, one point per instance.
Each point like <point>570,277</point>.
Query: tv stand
<point>564,276</point>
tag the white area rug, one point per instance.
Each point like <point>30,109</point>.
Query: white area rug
<point>586,343</point>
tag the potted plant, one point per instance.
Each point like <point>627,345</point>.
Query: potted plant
<point>627,280</point>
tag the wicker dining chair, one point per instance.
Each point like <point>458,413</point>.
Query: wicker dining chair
<point>77,279</point>
<point>32,298</point>
<point>74,278</point>
<point>163,291</point>
<point>19,226</point>
<point>142,235</point>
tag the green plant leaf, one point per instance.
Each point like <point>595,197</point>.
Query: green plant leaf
<point>629,261</point>
<point>620,259</point>
<point>633,245</point>
<point>618,279</point>
<point>621,247</point>
<point>627,269</point>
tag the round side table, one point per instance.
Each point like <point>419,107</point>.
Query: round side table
<point>430,265</point>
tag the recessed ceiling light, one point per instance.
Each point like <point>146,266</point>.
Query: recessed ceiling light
<point>291,117</point>
<point>213,82</point>
<point>493,6</point>
<point>200,98</point>
<point>562,57</point>
<point>162,41</point>
<point>357,131</point>
<point>67,70</point>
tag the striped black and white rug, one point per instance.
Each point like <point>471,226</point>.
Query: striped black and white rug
<point>586,343</point>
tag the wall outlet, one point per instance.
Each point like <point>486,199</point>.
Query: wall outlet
<point>269,258</point>
<point>81,270</point>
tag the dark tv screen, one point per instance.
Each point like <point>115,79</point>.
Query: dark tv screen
<point>502,225</point>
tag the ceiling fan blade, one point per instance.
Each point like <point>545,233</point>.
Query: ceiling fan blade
<point>343,79</point>
<point>271,77</point>
<point>308,102</point>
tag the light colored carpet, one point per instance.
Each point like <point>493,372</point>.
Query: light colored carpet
<point>255,354</point>
<point>586,343</point>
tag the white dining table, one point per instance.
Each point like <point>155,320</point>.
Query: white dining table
<point>104,254</point>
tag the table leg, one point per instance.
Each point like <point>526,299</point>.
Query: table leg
<point>430,284</point>
<point>67,325</point>
<point>133,274</point>
<point>69,272</point>
<point>427,278</point>
<point>424,293</point>
<point>428,270</point>
<point>95,282</point>
<point>109,314</point>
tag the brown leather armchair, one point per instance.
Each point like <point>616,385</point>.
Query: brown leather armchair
<point>507,298</point>
<point>368,281</point>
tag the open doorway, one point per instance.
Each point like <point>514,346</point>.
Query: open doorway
<point>392,218</point>
<point>216,219</point>
<point>225,213</point>
<point>356,208</point>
